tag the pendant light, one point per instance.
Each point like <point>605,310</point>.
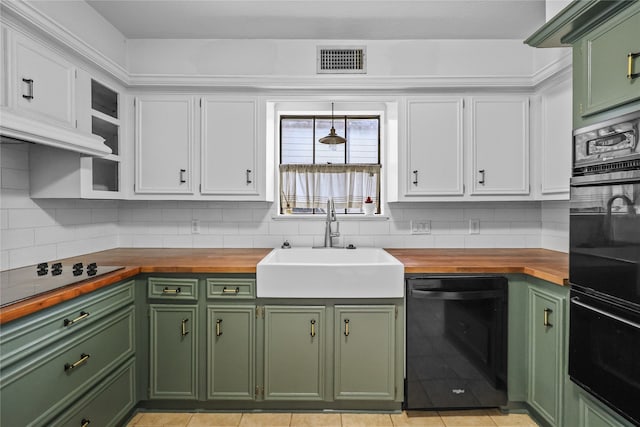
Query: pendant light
<point>333,138</point>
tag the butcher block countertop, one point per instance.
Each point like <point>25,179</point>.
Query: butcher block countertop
<point>541,263</point>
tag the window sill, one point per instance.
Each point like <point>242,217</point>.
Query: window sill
<point>322,217</point>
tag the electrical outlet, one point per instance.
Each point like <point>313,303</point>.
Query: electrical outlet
<point>420,226</point>
<point>195,226</point>
<point>474,226</point>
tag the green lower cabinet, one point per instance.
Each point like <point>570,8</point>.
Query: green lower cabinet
<point>106,404</point>
<point>231,352</point>
<point>592,414</point>
<point>546,354</point>
<point>173,351</point>
<point>364,352</point>
<point>294,352</point>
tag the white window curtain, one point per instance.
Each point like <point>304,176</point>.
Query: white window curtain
<point>310,186</point>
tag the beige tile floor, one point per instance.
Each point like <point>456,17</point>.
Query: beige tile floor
<point>475,418</point>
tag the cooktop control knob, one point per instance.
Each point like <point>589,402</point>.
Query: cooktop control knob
<point>77,269</point>
<point>92,269</point>
<point>56,269</point>
<point>42,269</point>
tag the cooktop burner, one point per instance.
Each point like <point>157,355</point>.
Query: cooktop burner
<point>26,282</point>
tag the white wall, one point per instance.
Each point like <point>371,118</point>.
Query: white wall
<point>555,225</point>
<point>33,231</point>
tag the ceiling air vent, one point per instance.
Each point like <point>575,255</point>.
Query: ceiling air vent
<point>342,60</point>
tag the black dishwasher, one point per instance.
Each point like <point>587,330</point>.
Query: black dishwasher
<point>456,341</point>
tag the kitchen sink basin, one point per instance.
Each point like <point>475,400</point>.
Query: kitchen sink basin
<point>330,273</point>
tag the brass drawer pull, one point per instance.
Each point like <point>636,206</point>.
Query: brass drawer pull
<point>630,57</point>
<point>230,291</point>
<point>83,315</point>
<point>313,328</point>
<point>346,327</point>
<point>184,327</point>
<point>218,327</point>
<point>547,312</point>
<point>83,358</point>
<point>166,290</point>
<point>85,422</point>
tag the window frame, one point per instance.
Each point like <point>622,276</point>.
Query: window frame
<point>315,137</point>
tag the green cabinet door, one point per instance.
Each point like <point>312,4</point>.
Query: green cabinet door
<point>230,352</point>
<point>593,414</point>
<point>173,351</point>
<point>546,354</point>
<point>294,346</point>
<point>364,352</point>
<point>606,63</point>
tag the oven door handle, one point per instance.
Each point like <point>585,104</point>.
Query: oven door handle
<point>576,301</point>
<point>457,295</point>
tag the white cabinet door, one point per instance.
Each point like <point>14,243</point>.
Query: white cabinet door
<point>500,145</point>
<point>555,167</point>
<point>43,82</point>
<point>229,146</point>
<point>164,144</point>
<point>434,147</point>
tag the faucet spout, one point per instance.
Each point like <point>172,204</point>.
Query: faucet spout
<point>329,234</point>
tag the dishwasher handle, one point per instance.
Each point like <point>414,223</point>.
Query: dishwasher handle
<point>457,295</point>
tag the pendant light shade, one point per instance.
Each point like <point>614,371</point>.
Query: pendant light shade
<point>333,138</point>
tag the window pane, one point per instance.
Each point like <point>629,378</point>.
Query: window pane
<point>326,153</point>
<point>297,141</point>
<point>362,140</point>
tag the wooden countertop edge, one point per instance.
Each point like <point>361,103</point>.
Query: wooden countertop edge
<point>534,272</point>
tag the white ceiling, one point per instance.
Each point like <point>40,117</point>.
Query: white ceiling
<point>324,19</point>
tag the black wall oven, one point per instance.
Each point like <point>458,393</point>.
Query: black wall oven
<point>604,264</point>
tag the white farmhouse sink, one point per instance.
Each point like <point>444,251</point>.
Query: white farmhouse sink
<point>330,273</point>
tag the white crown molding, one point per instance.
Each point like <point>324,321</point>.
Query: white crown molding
<point>32,17</point>
<point>552,70</point>
<point>349,82</point>
<point>19,127</point>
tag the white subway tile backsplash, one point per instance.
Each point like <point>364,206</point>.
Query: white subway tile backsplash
<point>17,238</point>
<point>73,216</point>
<point>17,179</point>
<point>30,218</point>
<point>146,214</point>
<point>177,215</point>
<point>237,215</point>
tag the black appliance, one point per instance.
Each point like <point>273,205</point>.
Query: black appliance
<point>456,330</point>
<point>23,283</point>
<point>604,264</point>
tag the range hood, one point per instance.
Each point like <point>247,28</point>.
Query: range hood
<point>14,127</point>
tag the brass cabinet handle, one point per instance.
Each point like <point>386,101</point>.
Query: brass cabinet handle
<point>630,57</point>
<point>313,328</point>
<point>30,83</point>
<point>481,171</point>
<point>547,312</point>
<point>346,327</point>
<point>85,422</point>
<point>230,291</point>
<point>249,176</point>
<point>83,358</point>
<point>182,172</point>
<point>218,327</point>
<point>166,290</point>
<point>415,177</point>
<point>184,327</point>
<point>83,315</point>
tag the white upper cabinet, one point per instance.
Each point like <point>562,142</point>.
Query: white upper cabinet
<point>556,143</point>
<point>499,145</point>
<point>43,82</point>
<point>434,147</point>
<point>229,146</point>
<point>164,140</point>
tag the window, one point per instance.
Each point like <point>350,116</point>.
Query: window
<point>312,172</point>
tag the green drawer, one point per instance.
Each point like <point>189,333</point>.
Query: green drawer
<point>40,387</point>
<point>231,288</point>
<point>173,288</point>
<point>23,337</point>
<point>106,404</point>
